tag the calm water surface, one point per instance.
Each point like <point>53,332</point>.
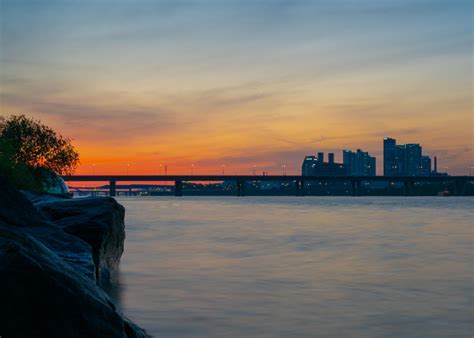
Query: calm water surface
<point>299,267</point>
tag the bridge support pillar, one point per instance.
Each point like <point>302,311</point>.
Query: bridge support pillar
<point>299,187</point>
<point>178,188</point>
<point>112,188</point>
<point>408,185</point>
<point>459,187</point>
<point>464,188</point>
<point>240,188</point>
<point>355,187</point>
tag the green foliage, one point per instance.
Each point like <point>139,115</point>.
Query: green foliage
<point>31,152</point>
<point>18,174</point>
<point>29,143</point>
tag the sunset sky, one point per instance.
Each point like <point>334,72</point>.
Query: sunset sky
<point>241,83</point>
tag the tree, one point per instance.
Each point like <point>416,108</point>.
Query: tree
<point>18,174</point>
<point>36,146</point>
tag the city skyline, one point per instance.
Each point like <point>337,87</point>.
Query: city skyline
<point>201,85</point>
<point>352,163</point>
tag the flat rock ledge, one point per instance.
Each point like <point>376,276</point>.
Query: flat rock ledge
<point>99,221</point>
<point>56,258</point>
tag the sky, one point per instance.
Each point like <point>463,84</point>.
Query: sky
<point>213,86</point>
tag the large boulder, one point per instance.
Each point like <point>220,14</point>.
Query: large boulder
<point>99,221</point>
<point>17,210</point>
<point>48,267</point>
<point>43,296</point>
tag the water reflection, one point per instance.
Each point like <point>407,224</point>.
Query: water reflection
<point>298,267</point>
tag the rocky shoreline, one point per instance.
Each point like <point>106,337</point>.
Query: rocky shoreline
<point>58,257</point>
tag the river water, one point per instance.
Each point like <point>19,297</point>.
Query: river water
<point>299,266</point>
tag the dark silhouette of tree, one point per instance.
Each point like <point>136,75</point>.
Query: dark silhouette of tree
<point>37,146</point>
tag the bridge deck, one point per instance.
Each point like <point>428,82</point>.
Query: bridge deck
<point>287,178</point>
<point>240,180</point>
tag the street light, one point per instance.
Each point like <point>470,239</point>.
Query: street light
<point>128,167</point>
<point>93,169</point>
<point>284,169</point>
<point>192,169</point>
<point>223,169</point>
<point>254,169</point>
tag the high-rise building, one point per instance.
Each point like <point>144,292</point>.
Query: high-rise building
<point>315,166</point>
<point>372,168</point>
<point>389,157</point>
<point>308,165</point>
<point>412,159</point>
<point>404,159</point>
<point>347,160</point>
<point>425,166</point>
<point>331,158</point>
<point>359,163</point>
<point>399,161</point>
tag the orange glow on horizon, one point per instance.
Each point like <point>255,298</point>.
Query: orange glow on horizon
<point>137,88</point>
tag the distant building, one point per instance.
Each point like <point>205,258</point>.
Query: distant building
<point>413,160</point>
<point>426,165</point>
<point>404,159</point>
<point>389,157</point>
<point>399,165</point>
<point>358,163</point>
<point>315,166</point>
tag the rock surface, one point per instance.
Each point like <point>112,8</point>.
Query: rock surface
<point>47,279</point>
<point>15,209</point>
<point>99,221</point>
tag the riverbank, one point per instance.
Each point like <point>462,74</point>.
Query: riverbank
<point>58,257</point>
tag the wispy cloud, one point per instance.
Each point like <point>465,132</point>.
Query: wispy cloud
<point>248,80</point>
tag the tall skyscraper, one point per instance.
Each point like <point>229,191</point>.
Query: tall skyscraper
<point>412,159</point>
<point>331,158</point>
<point>358,163</point>
<point>398,164</point>
<point>425,165</point>
<point>348,162</point>
<point>372,170</point>
<point>404,159</point>
<point>308,165</point>
<point>389,156</point>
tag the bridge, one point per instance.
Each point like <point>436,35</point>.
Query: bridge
<point>459,182</point>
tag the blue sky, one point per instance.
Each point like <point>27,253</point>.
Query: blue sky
<point>183,79</point>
